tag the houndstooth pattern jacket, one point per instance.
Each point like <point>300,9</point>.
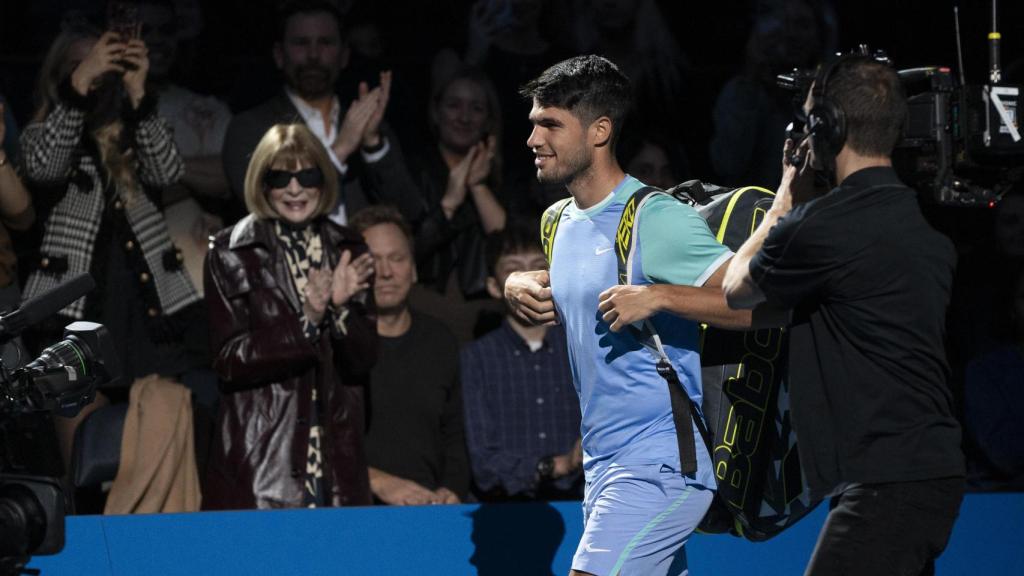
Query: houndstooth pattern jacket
<point>55,156</point>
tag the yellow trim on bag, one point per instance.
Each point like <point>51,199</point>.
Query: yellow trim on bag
<point>732,204</point>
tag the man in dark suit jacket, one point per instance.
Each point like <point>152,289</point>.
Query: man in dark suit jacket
<point>311,51</point>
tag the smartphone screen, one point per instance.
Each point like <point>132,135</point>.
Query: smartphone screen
<point>123,18</point>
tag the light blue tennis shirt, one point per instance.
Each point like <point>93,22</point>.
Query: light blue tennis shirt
<point>627,414</point>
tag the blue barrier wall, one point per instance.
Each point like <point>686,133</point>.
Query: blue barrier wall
<point>452,540</point>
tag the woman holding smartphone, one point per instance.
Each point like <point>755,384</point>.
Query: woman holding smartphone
<point>96,156</point>
<point>294,337</point>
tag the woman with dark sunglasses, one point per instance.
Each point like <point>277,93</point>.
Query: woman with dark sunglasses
<point>294,336</point>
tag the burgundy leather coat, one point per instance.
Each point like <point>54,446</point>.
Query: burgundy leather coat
<point>268,369</point>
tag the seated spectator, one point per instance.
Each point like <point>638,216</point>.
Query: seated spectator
<point>292,328</point>
<point>414,438</point>
<point>311,51</point>
<point>96,156</point>
<point>459,184</point>
<point>522,413</point>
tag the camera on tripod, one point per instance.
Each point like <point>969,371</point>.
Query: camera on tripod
<point>61,381</point>
<point>961,144</point>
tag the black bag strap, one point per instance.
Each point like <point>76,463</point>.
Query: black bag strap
<point>683,409</point>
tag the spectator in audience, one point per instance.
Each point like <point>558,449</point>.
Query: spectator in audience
<point>459,183</point>
<point>311,51</point>
<point>15,212</point>
<point>199,122</point>
<point>293,332</point>
<point>96,156</point>
<point>414,440</point>
<point>521,410</point>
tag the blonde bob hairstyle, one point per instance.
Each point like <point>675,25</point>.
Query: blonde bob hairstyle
<point>287,146</point>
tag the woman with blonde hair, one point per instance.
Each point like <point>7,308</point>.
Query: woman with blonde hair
<point>294,336</point>
<point>459,185</point>
<point>95,157</point>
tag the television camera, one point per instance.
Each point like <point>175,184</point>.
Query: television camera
<point>61,381</point>
<point>962,144</point>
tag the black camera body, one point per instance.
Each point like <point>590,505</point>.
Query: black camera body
<point>64,377</point>
<point>31,516</point>
<point>62,380</point>
<point>961,145</point>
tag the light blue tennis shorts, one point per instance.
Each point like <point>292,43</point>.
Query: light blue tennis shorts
<point>636,520</point>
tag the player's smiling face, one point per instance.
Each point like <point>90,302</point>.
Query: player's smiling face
<point>559,144</point>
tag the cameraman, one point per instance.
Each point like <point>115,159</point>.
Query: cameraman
<point>868,281</point>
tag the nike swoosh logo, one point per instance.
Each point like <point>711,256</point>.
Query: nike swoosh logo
<point>590,548</point>
<point>599,251</point>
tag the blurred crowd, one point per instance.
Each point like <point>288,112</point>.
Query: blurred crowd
<point>301,258</point>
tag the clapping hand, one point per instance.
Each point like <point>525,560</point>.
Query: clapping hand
<point>481,157</point>
<point>317,292</point>
<point>361,126</point>
<point>353,127</point>
<point>350,277</point>
<point>371,134</point>
<point>458,184</point>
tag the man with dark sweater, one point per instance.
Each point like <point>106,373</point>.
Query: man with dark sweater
<point>415,445</point>
<point>868,282</point>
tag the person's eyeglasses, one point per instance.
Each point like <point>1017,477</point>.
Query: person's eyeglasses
<point>308,178</point>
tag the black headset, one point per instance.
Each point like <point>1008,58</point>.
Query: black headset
<point>826,121</point>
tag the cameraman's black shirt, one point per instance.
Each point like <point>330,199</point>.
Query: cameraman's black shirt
<point>868,281</point>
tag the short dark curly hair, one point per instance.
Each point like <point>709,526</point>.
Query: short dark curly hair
<point>872,99</point>
<point>517,237</point>
<point>587,86</point>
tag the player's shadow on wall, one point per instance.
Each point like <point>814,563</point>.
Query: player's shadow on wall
<point>518,538</point>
